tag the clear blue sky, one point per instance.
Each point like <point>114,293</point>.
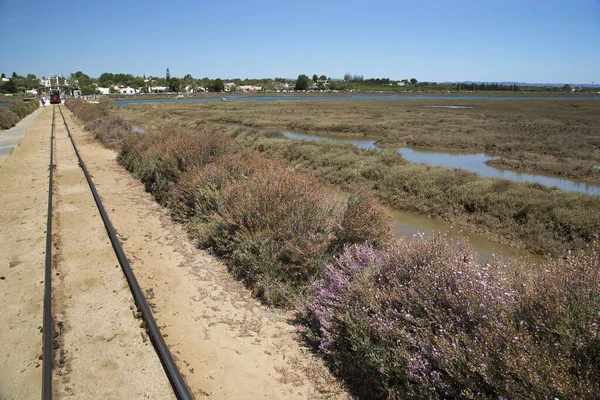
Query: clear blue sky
<point>431,40</point>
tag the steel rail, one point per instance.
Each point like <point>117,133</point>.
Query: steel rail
<point>48,324</point>
<point>173,374</point>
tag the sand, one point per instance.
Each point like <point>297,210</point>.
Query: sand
<point>225,342</point>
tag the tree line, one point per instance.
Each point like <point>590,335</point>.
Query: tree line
<point>145,84</point>
<point>18,84</point>
<point>487,86</point>
<point>89,85</point>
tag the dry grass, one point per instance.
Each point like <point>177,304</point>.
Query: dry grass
<point>558,137</point>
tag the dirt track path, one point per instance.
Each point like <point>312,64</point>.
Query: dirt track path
<point>23,206</point>
<point>102,353</point>
<point>226,344</point>
<point>100,339</point>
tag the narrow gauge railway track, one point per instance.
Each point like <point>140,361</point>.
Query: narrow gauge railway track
<point>92,344</point>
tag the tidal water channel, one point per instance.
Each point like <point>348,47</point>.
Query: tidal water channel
<point>474,162</point>
<point>344,96</point>
<point>409,224</point>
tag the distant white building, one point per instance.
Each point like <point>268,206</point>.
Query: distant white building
<point>103,90</point>
<point>249,88</point>
<point>189,89</point>
<point>128,90</point>
<point>157,89</point>
<point>228,86</point>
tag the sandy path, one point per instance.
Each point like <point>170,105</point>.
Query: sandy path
<point>10,138</point>
<point>23,206</point>
<point>227,345</point>
<point>103,351</point>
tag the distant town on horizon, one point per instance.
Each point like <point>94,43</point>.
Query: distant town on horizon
<point>120,83</point>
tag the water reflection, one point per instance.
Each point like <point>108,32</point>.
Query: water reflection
<point>474,162</point>
<point>448,107</point>
<point>409,225</point>
<point>342,96</point>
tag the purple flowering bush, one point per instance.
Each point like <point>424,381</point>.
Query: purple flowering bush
<point>397,318</point>
<point>422,319</point>
<point>87,112</point>
<point>109,130</point>
<point>158,159</point>
<point>278,228</point>
<point>197,191</point>
<point>275,228</point>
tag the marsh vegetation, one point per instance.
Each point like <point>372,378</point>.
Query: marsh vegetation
<point>540,219</point>
<point>15,111</point>
<point>560,137</point>
<point>395,318</point>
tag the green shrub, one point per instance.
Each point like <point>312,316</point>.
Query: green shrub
<point>275,228</point>
<point>33,105</point>
<point>159,158</point>
<point>19,109</point>
<point>8,118</point>
<point>109,130</point>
